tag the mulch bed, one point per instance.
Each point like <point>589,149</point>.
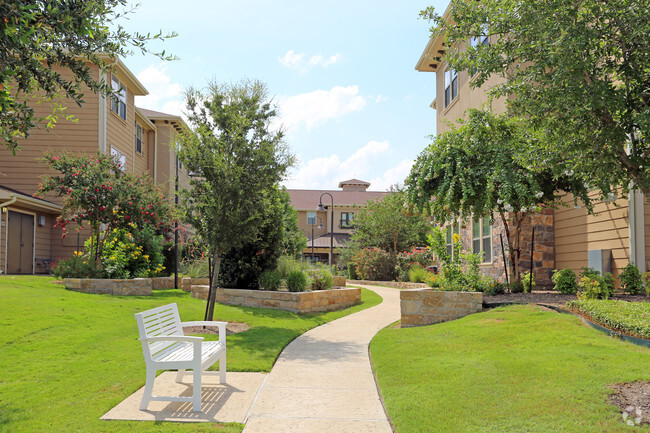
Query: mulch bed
<point>548,298</point>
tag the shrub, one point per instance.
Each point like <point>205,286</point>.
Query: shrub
<point>270,280</point>
<point>132,253</point>
<point>197,268</point>
<point>407,259</point>
<point>591,288</point>
<point>646,280</point>
<point>375,264</point>
<point>352,271</point>
<point>320,279</point>
<point>609,284</point>
<point>526,281</point>
<point>77,266</point>
<point>296,281</point>
<point>417,274</point>
<point>565,281</point>
<point>433,280</point>
<point>631,280</point>
<point>516,287</point>
<point>495,288</point>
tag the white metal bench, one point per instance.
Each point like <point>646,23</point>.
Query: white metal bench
<point>166,347</point>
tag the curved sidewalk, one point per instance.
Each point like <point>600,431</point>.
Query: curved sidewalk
<point>323,381</point>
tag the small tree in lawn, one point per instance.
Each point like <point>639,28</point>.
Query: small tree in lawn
<point>475,171</point>
<point>390,223</point>
<point>96,191</point>
<point>238,158</point>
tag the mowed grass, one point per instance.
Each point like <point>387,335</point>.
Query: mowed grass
<point>510,369</point>
<point>66,358</point>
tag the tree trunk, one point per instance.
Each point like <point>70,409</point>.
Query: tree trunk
<point>513,245</point>
<point>216,260</point>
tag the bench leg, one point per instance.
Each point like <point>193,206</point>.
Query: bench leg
<point>196,395</point>
<point>222,368</point>
<point>179,375</point>
<point>148,389</point>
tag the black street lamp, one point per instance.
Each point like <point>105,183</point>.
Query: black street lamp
<point>320,226</point>
<point>176,228</point>
<point>322,208</point>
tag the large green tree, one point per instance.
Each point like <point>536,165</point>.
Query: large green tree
<point>475,171</point>
<point>390,223</point>
<point>37,35</point>
<point>238,160</point>
<point>578,70</point>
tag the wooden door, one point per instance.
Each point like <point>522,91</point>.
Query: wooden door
<point>20,243</point>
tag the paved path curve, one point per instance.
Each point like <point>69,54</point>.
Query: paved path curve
<point>323,382</point>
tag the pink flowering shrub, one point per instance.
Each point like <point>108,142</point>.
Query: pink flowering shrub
<point>374,264</point>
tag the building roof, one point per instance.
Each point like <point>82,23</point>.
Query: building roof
<point>353,182</point>
<point>176,121</point>
<point>340,239</point>
<point>434,51</point>
<point>308,199</point>
<point>10,194</point>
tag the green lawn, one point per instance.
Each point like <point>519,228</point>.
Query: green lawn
<point>66,358</point>
<point>510,369</point>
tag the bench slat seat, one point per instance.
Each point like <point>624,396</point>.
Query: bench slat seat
<point>166,347</point>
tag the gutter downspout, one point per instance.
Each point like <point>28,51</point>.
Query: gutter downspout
<point>155,156</point>
<point>5,204</point>
<point>636,229</point>
<point>102,116</point>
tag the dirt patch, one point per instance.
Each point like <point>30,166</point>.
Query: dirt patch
<point>633,399</point>
<point>231,328</point>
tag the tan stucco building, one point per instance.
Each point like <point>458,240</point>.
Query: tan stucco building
<point>317,224</point>
<point>141,139</point>
<point>609,239</point>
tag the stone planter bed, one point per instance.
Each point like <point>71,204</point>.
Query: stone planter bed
<point>393,284</point>
<point>296,302</point>
<point>427,306</point>
<point>130,287</point>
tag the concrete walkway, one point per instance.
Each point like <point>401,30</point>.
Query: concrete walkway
<point>323,382</point>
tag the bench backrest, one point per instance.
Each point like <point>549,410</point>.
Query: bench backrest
<point>159,322</point>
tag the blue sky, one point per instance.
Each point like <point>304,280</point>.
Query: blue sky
<point>342,73</point>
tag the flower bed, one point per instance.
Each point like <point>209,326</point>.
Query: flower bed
<point>426,306</point>
<point>296,302</point>
<point>632,318</point>
<point>120,287</point>
<point>393,284</point>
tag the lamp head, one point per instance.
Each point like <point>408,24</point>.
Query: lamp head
<point>320,207</point>
<point>320,226</point>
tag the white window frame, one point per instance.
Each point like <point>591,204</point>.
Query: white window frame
<point>118,100</point>
<point>139,132</point>
<point>451,86</point>
<point>480,239</point>
<point>119,157</point>
<point>450,229</point>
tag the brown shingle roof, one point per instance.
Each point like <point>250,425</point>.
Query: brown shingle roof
<point>308,199</point>
<point>323,241</point>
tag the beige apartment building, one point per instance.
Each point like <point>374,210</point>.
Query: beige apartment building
<point>142,140</point>
<point>317,225</point>
<point>608,240</point>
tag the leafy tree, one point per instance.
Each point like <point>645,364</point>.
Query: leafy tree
<point>390,223</point>
<point>238,160</point>
<point>578,70</point>
<point>278,235</point>
<point>37,35</point>
<point>474,171</point>
<point>96,191</point>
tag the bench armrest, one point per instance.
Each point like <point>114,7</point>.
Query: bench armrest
<point>172,338</point>
<point>220,325</point>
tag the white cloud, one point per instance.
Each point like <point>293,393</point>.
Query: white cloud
<point>319,106</point>
<point>301,62</point>
<point>164,95</point>
<point>326,172</point>
<point>393,176</point>
<point>381,98</point>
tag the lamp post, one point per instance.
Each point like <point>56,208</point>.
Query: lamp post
<point>322,208</point>
<point>176,228</point>
<point>320,226</point>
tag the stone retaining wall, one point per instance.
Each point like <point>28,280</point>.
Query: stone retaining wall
<point>187,283</point>
<point>105,286</point>
<point>297,302</point>
<point>427,306</point>
<point>393,284</point>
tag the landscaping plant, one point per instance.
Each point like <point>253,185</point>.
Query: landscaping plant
<point>646,280</point>
<point>297,281</point>
<point>420,257</point>
<point>320,279</point>
<point>270,280</point>
<point>374,264</point>
<point>592,288</point>
<point>606,282</point>
<point>565,281</point>
<point>417,274</point>
<point>630,280</point>
<point>528,282</point>
<point>632,318</point>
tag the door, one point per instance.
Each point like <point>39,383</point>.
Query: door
<point>20,243</point>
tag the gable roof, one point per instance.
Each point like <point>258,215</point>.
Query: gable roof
<point>308,199</point>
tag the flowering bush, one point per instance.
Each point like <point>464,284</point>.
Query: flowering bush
<point>321,279</point>
<point>407,259</point>
<point>77,266</point>
<point>374,264</point>
<point>135,254</point>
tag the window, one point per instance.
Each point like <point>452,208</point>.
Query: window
<point>482,238</point>
<point>118,100</point>
<point>451,230</point>
<point>475,41</point>
<point>119,157</point>
<point>451,86</point>
<point>346,220</point>
<point>311,218</point>
<point>138,138</point>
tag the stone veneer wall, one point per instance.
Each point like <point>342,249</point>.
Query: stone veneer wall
<point>393,284</point>
<point>106,286</point>
<point>297,302</point>
<point>427,306</point>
